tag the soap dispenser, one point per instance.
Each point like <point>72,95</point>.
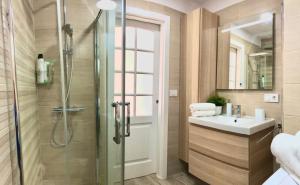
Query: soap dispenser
<point>229,108</point>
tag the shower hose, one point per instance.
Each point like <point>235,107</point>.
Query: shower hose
<point>53,140</point>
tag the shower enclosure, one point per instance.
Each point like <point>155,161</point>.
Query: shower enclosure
<point>260,70</point>
<point>109,114</point>
<point>82,130</point>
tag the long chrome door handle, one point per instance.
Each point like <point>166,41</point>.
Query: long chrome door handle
<point>128,120</point>
<point>117,138</point>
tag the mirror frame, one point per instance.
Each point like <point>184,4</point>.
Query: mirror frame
<point>273,52</point>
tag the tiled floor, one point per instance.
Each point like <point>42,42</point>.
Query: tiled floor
<point>177,179</point>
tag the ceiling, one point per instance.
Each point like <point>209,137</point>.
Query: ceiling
<point>260,31</point>
<point>189,5</point>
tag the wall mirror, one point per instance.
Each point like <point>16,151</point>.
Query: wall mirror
<point>245,54</point>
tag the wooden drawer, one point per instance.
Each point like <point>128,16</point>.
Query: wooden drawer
<point>215,172</point>
<point>223,146</point>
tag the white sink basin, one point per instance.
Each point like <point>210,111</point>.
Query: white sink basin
<point>245,125</point>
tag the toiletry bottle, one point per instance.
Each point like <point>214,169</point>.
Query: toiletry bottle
<point>263,81</point>
<point>229,108</point>
<point>40,66</point>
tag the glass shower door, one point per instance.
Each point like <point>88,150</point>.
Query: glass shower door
<point>109,114</point>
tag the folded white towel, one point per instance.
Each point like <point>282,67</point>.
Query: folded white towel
<point>202,107</point>
<point>286,149</point>
<point>204,113</point>
<point>280,177</point>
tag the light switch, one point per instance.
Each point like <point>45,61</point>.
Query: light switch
<point>271,98</point>
<point>173,93</point>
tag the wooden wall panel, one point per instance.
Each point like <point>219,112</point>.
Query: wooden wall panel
<point>200,67</point>
<point>208,54</point>
<point>182,127</point>
<point>223,60</point>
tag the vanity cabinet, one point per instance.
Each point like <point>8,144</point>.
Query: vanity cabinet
<point>225,158</point>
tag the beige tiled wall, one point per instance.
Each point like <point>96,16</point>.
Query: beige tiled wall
<point>75,164</point>
<point>175,35</point>
<point>10,172</point>
<point>27,90</point>
<point>291,67</point>
<point>7,147</point>
<point>253,99</point>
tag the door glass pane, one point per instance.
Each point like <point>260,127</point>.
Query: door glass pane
<point>145,39</point>
<point>118,36</point>
<point>145,62</point>
<point>118,60</point>
<point>144,84</point>
<point>129,83</point>
<point>118,83</point>
<point>130,37</point>
<point>143,105</point>
<point>129,60</point>
<point>108,53</point>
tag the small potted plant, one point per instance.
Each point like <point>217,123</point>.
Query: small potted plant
<point>218,101</point>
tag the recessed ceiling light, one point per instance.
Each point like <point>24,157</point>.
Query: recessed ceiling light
<point>106,4</point>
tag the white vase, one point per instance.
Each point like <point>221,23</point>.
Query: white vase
<point>219,110</point>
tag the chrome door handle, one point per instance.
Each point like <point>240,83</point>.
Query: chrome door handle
<point>128,120</point>
<point>117,138</point>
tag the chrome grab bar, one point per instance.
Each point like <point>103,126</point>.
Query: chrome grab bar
<point>117,138</point>
<point>128,120</point>
<point>118,135</point>
<point>68,109</point>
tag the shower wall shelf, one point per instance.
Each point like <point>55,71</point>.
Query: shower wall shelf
<point>47,75</point>
<point>69,109</point>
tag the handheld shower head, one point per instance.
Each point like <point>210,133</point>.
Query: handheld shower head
<point>68,29</point>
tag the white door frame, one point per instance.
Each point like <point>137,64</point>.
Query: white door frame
<point>164,22</point>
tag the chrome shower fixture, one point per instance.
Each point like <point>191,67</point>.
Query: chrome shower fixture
<point>68,29</point>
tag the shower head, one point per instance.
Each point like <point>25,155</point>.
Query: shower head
<point>68,29</point>
<point>106,4</point>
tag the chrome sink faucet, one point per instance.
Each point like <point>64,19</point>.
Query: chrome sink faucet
<point>238,109</point>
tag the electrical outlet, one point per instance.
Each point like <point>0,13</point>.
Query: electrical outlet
<point>271,98</point>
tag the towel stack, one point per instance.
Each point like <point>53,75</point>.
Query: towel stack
<point>286,149</point>
<point>203,109</point>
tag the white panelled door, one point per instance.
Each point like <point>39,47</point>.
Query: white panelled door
<point>142,90</point>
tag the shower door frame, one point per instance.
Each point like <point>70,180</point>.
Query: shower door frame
<point>164,22</point>
<point>122,108</point>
